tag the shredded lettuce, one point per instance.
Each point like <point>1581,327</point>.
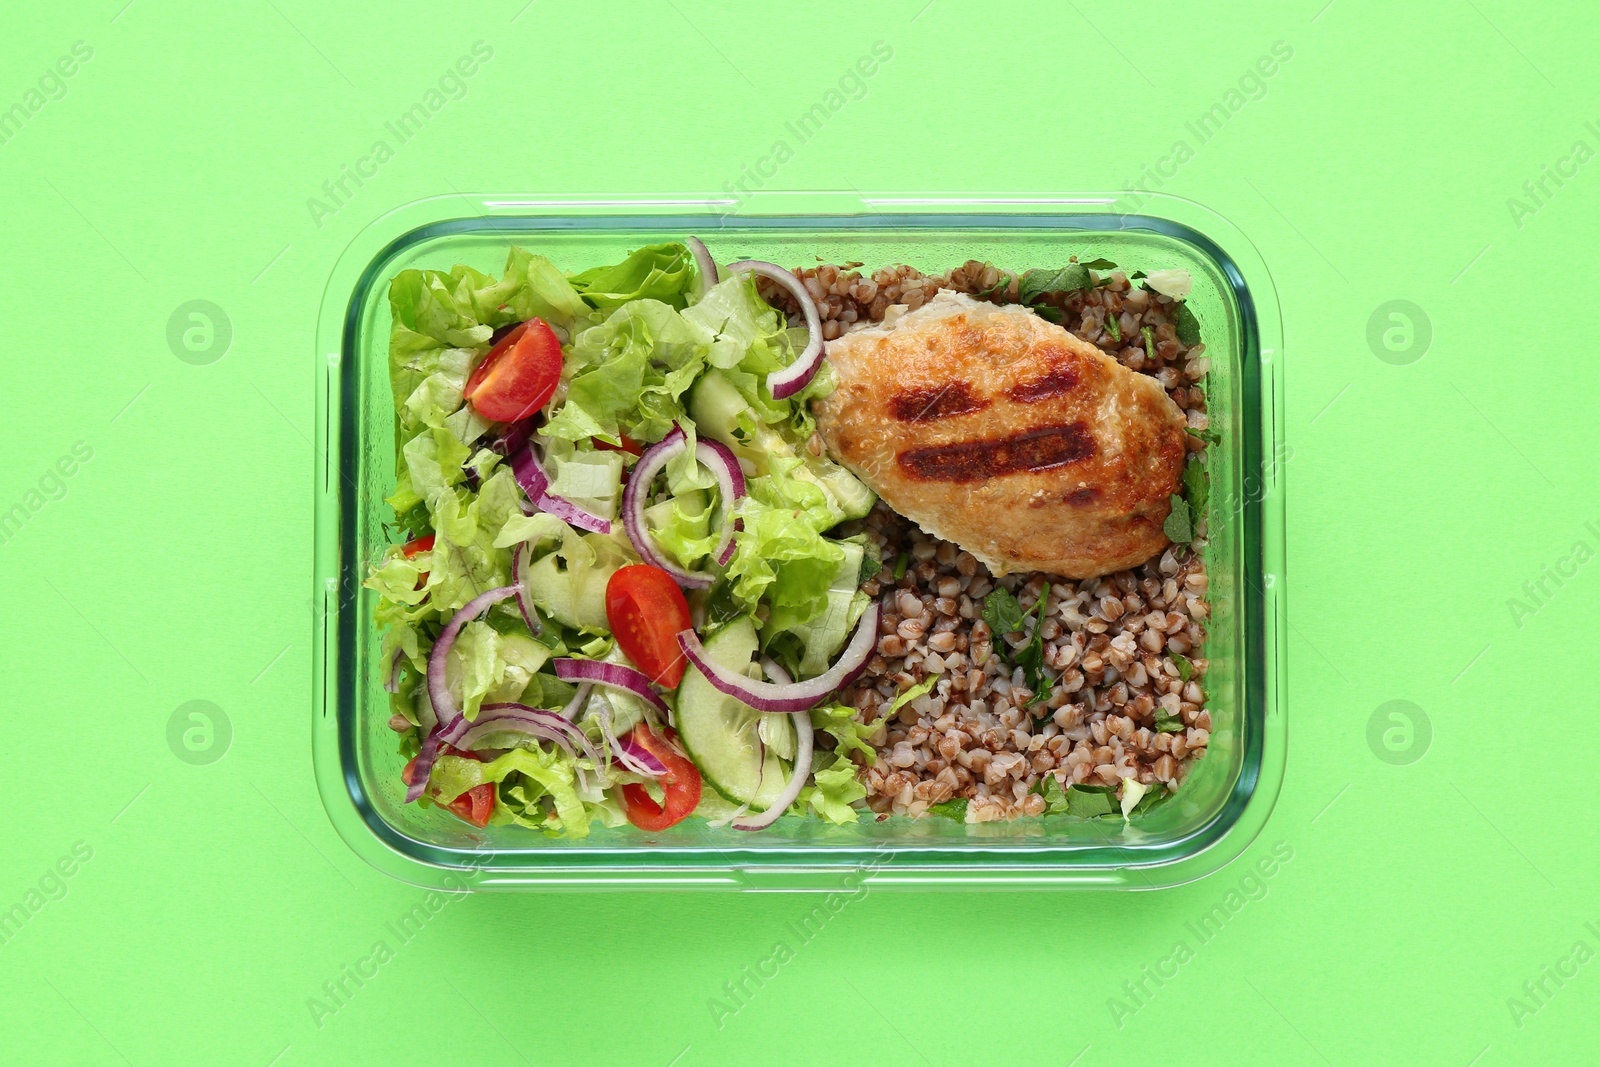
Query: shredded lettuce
<point>834,789</point>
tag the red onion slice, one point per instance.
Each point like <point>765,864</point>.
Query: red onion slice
<point>610,675</point>
<point>444,705</point>
<point>634,498</point>
<point>796,696</point>
<point>420,770</point>
<point>797,778</point>
<point>629,754</point>
<point>793,378</point>
<point>391,684</point>
<point>575,705</point>
<point>721,462</point>
<point>703,263</point>
<point>535,482</point>
<point>522,718</point>
<point>519,578</point>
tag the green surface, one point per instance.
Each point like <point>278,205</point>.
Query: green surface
<point>1414,891</point>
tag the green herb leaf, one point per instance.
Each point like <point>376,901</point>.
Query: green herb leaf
<point>1036,283</point>
<point>1188,326</point>
<point>1002,612</point>
<point>1197,487</point>
<point>999,286</point>
<point>1080,801</point>
<point>1156,795</point>
<point>1149,336</point>
<point>1113,327</point>
<point>1179,526</point>
<point>870,565</point>
<point>1136,275</point>
<point>951,809</point>
<point>1100,264</point>
<point>1031,657</point>
<point>1049,314</point>
<point>1208,435</point>
<point>1185,668</point>
<point>901,562</point>
<point>1168,723</point>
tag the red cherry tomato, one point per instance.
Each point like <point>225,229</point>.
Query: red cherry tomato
<point>417,546</point>
<point>680,786</point>
<point>475,805</point>
<point>647,611</point>
<point>518,376</point>
<point>629,445</point>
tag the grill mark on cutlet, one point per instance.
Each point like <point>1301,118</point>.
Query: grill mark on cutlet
<point>1040,448</point>
<point>928,403</point>
<point>1053,383</point>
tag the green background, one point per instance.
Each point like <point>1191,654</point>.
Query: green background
<point>1438,862</point>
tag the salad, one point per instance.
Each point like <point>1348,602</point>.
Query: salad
<point>616,591</point>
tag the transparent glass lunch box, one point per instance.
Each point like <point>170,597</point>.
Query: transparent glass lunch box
<point>1229,793</point>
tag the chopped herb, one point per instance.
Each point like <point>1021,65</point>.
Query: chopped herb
<point>1049,314</point>
<point>1185,668</point>
<point>870,566</point>
<point>1081,801</point>
<point>1136,275</point>
<point>1188,326</point>
<point>1031,657</point>
<point>1156,795</point>
<point>1208,435</point>
<point>1149,336</point>
<point>1168,723</point>
<point>998,287</point>
<point>1179,526</point>
<point>1113,327</point>
<point>1197,487</point>
<point>901,562</point>
<point>1002,612</point>
<point>1036,283</point>
<point>951,809</point>
<point>1100,264</point>
<point>1005,616</point>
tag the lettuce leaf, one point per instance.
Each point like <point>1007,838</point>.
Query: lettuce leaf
<point>633,370</point>
<point>834,788</point>
<point>661,272</point>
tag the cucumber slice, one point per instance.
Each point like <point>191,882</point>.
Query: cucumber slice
<point>722,734</point>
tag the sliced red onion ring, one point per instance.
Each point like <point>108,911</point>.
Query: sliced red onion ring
<point>521,718</point>
<point>715,457</point>
<point>795,696</point>
<point>721,462</point>
<point>444,705</point>
<point>634,498</point>
<point>519,578</point>
<point>610,675</point>
<point>797,778</point>
<point>630,755</point>
<point>793,378</point>
<point>535,482</point>
<point>391,684</point>
<point>575,705</point>
<point>420,770</point>
<point>704,263</point>
<point>775,673</point>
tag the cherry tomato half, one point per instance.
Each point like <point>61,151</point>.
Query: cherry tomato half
<point>680,786</point>
<point>629,445</point>
<point>417,546</point>
<point>475,805</point>
<point>647,611</point>
<point>518,376</point>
